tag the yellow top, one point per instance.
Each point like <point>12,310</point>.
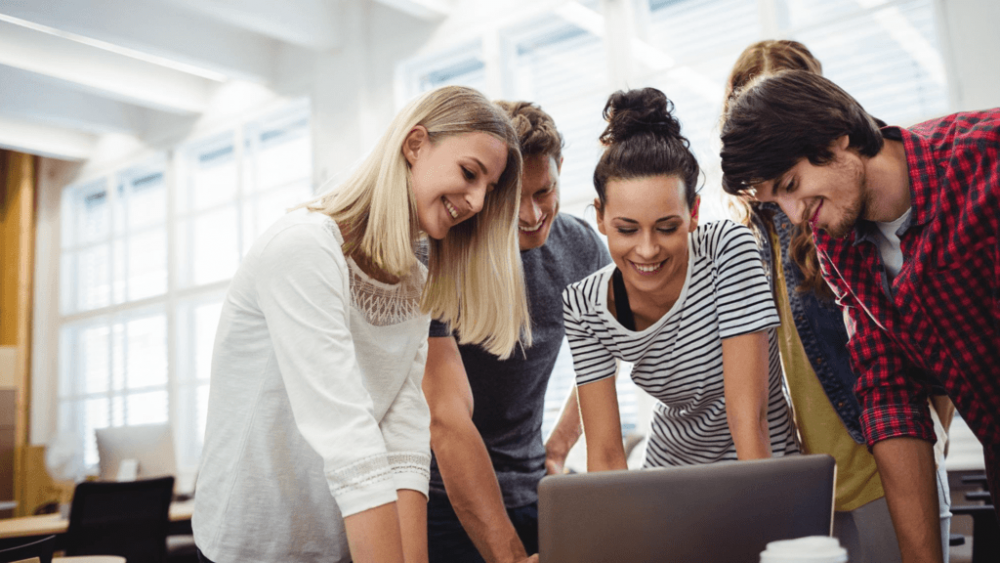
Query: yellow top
<point>820,428</point>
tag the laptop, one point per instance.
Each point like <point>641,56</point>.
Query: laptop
<point>721,512</point>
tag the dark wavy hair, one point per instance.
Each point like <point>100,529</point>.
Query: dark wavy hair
<point>644,139</point>
<point>779,119</point>
<point>760,59</point>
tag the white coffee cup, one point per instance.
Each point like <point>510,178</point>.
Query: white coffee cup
<point>812,549</point>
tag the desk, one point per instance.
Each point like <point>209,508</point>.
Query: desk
<point>29,526</point>
<point>89,559</point>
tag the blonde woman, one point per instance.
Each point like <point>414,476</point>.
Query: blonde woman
<point>317,440</point>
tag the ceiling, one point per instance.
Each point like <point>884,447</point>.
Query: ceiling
<point>74,70</point>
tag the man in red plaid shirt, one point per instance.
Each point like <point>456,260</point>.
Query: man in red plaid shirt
<point>905,222</point>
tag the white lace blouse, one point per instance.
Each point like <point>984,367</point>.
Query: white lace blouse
<point>315,409</point>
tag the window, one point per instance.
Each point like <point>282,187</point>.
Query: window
<point>885,54</point>
<point>114,244</point>
<point>688,55</point>
<point>462,66</point>
<point>559,63</point>
<point>137,327</point>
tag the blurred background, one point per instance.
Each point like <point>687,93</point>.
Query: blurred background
<point>148,142</point>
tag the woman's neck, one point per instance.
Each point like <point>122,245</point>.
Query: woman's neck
<point>649,307</point>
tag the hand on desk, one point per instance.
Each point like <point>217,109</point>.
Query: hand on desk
<point>554,466</point>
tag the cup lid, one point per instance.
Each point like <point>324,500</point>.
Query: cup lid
<point>812,549</point>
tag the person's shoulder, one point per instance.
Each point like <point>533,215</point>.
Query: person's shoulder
<point>958,132</point>
<point>963,123</point>
<point>570,230</point>
<point>585,294</point>
<point>296,234</point>
<point>713,238</point>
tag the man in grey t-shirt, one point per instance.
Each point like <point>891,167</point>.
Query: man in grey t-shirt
<point>486,414</point>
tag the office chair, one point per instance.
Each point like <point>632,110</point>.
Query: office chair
<point>42,549</point>
<point>128,519</point>
<point>985,529</point>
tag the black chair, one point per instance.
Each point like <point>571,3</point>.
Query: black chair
<point>985,525</point>
<point>42,549</point>
<point>128,519</point>
<point>985,532</point>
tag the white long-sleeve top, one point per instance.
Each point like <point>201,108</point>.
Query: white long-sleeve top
<point>315,409</point>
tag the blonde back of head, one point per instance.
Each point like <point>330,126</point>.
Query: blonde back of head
<point>767,57</point>
<point>474,277</point>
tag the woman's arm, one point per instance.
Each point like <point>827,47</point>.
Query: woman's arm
<point>412,508</point>
<point>303,294</point>
<point>373,535</point>
<point>602,425</point>
<point>745,373</point>
<point>406,431</point>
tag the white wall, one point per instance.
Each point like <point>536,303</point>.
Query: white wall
<point>972,26</point>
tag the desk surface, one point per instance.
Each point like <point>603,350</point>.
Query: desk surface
<point>89,559</point>
<point>54,524</point>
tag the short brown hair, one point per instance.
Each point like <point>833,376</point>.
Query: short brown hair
<point>777,120</point>
<point>535,129</point>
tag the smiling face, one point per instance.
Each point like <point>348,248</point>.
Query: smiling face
<point>539,200</point>
<point>831,196</point>
<point>452,176</point>
<point>647,221</point>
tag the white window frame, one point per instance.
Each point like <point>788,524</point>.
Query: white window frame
<point>50,320</point>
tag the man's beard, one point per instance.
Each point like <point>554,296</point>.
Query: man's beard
<point>854,210</point>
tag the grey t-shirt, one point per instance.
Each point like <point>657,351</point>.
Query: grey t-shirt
<point>509,395</point>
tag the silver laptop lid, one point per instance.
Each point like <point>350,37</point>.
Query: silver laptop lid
<point>719,512</point>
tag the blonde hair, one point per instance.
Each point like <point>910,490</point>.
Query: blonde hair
<point>474,278</point>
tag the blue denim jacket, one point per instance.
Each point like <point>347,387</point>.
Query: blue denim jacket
<point>821,328</point>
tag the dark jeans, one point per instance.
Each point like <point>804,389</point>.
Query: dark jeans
<point>992,455</point>
<point>447,541</point>
<point>202,558</point>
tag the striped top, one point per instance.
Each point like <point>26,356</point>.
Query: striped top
<point>678,360</point>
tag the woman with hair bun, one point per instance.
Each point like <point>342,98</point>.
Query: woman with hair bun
<point>317,443</point>
<point>688,304</point>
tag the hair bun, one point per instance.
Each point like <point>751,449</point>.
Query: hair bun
<point>635,112</point>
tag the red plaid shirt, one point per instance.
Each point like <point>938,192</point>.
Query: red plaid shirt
<point>939,319</point>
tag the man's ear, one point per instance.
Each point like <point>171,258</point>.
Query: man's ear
<point>600,215</point>
<point>415,141</point>
<point>842,142</point>
<point>559,165</point>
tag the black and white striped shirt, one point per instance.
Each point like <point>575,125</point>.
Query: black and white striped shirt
<point>678,360</point>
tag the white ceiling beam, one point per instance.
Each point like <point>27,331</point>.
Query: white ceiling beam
<point>28,97</point>
<point>100,68</point>
<point>428,10</point>
<point>313,24</point>
<point>160,29</point>
<point>45,140</point>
